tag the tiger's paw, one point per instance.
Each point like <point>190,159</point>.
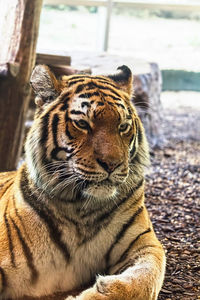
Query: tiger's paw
<point>108,288</point>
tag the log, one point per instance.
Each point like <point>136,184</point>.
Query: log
<point>19,25</point>
<point>52,59</point>
<point>59,62</point>
<point>60,70</point>
<point>147,89</point>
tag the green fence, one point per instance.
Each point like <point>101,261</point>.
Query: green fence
<point>176,80</point>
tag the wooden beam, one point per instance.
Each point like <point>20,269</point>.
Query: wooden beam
<point>77,2</point>
<point>52,59</point>
<point>153,5</point>
<point>190,6</point>
<point>19,27</point>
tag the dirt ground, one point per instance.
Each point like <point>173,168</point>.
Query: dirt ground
<point>173,196</point>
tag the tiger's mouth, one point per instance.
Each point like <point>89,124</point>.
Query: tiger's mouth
<point>101,190</point>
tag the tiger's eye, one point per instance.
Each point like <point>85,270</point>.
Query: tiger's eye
<point>124,127</point>
<point>82,124</point>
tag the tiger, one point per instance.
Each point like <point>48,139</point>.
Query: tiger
<point>72,217</point>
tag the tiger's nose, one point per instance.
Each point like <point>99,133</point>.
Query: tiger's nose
<point>109,166</point>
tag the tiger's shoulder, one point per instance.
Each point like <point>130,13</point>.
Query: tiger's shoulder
<point>6,180</point>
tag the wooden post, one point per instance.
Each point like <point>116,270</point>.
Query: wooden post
<point>104,18</point>
<point>19,27</point>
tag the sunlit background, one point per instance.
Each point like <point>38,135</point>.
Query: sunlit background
<point>171,38</point>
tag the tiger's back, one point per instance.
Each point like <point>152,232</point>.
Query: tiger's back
<point>75,208</point>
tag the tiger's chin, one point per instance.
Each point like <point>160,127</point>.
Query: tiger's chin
<point>100,191</point>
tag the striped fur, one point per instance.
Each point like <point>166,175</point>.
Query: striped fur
<point>75,209</point>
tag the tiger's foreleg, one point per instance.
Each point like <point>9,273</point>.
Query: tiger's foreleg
<point>139,277</point>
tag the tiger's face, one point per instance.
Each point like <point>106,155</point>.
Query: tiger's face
<point>100,132</point>
<point>86,136</point>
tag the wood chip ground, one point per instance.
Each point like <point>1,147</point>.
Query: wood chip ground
<point>173,201</point>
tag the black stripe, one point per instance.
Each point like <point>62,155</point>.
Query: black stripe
<point>90,85</point>
<point>66,96</point>
<point>122,232</point>
<point>65,100</point>
<point>20,219</point>
<point>10,243</point>
<point>89,95</point>
<point>46,215</point>
<point>45,122</point>
<point>74,81</point>
<point>55,129</point>
<point>81,76</point>
<point>100,103</point>
<point>128,264</point>
<point>139,134</point>
<point>101,87</point>
<point>122,175</point>
<point>84,103</point>
<point>88,88</point>
<point>64,107</point>
<point>77,112</point>
<point>67,118</point>
<point>27,253</point>
<point>130,110</point>
<point>132,261</point>
<point>3,280</point>
<point>102,80</point>
<point>6,181</point>
<point>125,253</point>
<point>133,149</point>
<point>68,134</point>
<point>80,88</point>
<point>110,95</point>
<point>120,105</point>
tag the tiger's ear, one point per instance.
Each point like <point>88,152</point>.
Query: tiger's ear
<point>44,84</point>
<point>124,79</point>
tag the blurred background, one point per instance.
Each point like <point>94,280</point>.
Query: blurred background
<point>134,28</point>
<point>164,32</point>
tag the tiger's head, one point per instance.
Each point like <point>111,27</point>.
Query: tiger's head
<point>87,138</point>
